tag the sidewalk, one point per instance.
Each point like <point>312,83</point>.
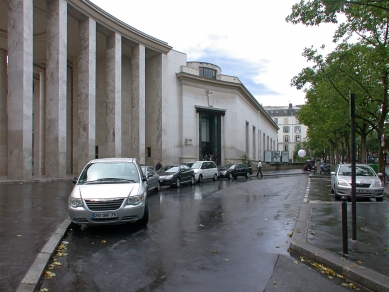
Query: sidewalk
<point>36,231</point>
<point>318,237</point>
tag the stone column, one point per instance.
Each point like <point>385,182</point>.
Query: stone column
<point>138,103</point>
<point>3,113</point>
<point>20,80</point>
<point>56,75</point>
<point>86,92</point>
<point>39,120</point>
<point>114,83</point>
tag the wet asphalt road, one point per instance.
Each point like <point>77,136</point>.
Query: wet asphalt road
<point>213,236</point>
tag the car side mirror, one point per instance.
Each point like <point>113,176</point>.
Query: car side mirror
<point>144,178</point>
<point>74,180</point>
<point>150,175</point>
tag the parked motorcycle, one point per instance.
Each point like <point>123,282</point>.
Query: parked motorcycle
<point>309,166</point>
<point>325,168</point>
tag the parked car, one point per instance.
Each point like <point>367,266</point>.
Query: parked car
<point>368,183</point>
<point>234,170</point>
<point>109,191</point>
<point>152,178</point>
<point>176,175</point>
<point>205,170</point>
<point>189,164</point>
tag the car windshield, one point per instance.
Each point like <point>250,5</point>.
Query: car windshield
<point>229,166</point>
<point>103,172</point>
<point>196,165</point>
<point>169,169</point>
<point>360,170</point>
<point>189,164</point>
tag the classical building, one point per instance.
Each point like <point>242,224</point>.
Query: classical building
<point>291,132</point>
<point>76,83</point>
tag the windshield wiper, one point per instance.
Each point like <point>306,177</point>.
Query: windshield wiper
<point>110,179</point>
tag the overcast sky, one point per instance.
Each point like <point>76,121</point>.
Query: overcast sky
<point>249,39</point>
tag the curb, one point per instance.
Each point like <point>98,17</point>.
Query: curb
<point>35,273</point>
<point>365,277</point>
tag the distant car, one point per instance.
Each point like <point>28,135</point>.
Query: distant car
<point>109,191</point>
<point>152,178</point>
<point>368,183</point>
<point>205,170</point>
<point>234,170</point>
<point>189,164</point>
<point>176,175</point>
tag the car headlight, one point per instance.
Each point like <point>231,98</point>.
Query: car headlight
<point>75,202</point>
<point>377,184</point>
<point>223,172</point>
<point>134,200</point>
<point>169,177</point>
<point>343,183</point>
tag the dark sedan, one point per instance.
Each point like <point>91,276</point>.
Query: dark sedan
<point>152,178</point>
<point>176,175</point>
<point>234,170</point>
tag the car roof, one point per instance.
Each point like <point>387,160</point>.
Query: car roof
<point>114,159</point>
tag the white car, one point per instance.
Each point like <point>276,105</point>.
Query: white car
<point>109,191</point>
<point>205,170</point>
<point>368,183</point>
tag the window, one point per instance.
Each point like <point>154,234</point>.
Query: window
<point>286,147</point>
<point>286,138</point>
<point>286,129</point>
<point>207,73</point>
<point>276,120</point>
<point>297,129</point>
<point>298,138</point>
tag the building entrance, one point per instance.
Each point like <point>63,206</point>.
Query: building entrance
<point>210,136</point>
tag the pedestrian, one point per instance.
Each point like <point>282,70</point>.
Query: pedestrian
<point>214,158</point>
<point>259,168</point>
<point>158,165</point>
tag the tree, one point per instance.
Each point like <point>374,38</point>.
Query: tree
<point>369,54</point>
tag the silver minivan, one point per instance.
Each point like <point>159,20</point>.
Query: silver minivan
<point>109,191</point>
<point>205,170</point>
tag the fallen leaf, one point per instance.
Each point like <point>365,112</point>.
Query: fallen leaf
<point>201,225</point>
<point>290,234</point>
<point>48,274</point>
<point>226,260</point>
<point>18,235</point>
<point>277,246</point>
<point>43,290</point>
<point>386,248</point>
<point>360,262</point>
<point>362,228</point>
<point>298,231</point>
<point>296,262</point>
<point>275,282</point>
<point>214,251</point>
<point>103,241</point>
<point>313,232</point>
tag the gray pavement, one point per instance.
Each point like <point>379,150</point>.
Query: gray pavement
<point>34,225</point>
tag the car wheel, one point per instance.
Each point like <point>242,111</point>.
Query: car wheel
<point>200,178</point>
<point>230,176</point>
<point>145,219</point>
<point>215,177</point>
<point>158,188</point>
<point>192,180</point>
<point>178,183</point>
<point>379,199</point>
<point>247,175</point>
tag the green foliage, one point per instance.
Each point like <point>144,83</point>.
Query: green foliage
<point>246,160</point>
<point>359,67</point>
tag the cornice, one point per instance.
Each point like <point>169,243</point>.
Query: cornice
<point>110,22</point>
<point>238,86</point>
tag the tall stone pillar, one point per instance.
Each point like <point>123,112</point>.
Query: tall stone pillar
<point>138,64</point>
<point>20,80</point>
<point>3,113</point>
<point>86,93</point>
<point>39,124</point>
<point>114,98</point>
<point>56,76</point>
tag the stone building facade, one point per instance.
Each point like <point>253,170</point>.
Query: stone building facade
<point>76,83</point>
<point>291,133</point>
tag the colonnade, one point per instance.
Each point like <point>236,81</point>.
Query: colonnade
<point>86,97</point>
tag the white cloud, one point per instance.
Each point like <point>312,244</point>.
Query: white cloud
<point>250,33</point>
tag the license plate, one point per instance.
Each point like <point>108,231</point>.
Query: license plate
<point>104,215</point>
<point>361,191</point>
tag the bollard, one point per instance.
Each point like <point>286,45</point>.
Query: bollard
<point>344,225</point>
